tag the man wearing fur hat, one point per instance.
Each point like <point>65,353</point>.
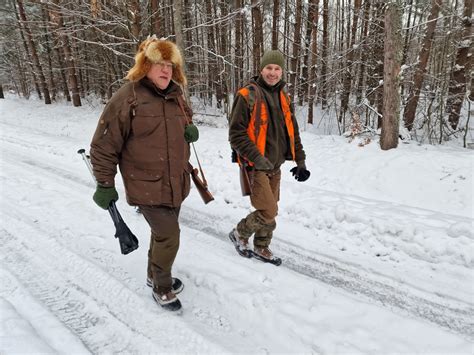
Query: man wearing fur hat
<point>145,131</point>
<point>264,133</point>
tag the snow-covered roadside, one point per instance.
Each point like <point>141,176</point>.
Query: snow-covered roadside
<point>230,303</point>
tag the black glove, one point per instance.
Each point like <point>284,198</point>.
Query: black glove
<point>262,163</point>
<point>300,173</point>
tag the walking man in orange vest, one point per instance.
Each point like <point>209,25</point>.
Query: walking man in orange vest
<point>264,133</point>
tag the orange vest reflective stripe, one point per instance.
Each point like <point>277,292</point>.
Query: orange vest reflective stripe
<point>257,128</point>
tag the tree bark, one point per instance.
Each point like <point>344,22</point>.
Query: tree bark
<point>178,26</point>
<point>391,94</point>
<point>314,11</point>
<point>296,50</point>
<point>213,83</point>
<point>34,53</point>
<point>155,17</point>
<point>275,24</point>
<point>364,53</point>
<point>347,80</point>
<point>135,19</point>
<point>458,80</point>
<point>56,17</point>
<point>257,34</point>
<point>238,51</point>
<point>412,102</point>
<point>376,57</point>
<point>45,19</point>
<point>324,54</point>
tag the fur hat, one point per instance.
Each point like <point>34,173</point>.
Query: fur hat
<point>272,57</point>
<point>154,50</point>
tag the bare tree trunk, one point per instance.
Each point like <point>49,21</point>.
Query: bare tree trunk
<point>155,17</point>
<point>303,86</point>
<point>391,94</point>
<point>45,18</point>
<point>257,34</point>
<point>324,54</point>
<point>34,54</point>
<point>314,18</point>
<point>286,31</point>
<point>408,33</point>
<point>22,71</point>
<point>1,92</point>
<point>62,70</point>
<point>238,52</point>
<point>375,75</point>
<point>364,53</point>
<point>224,49</point>
<point>275,24</point>
<point>212,55</point>
<point>135,19</point>
<point>178,26</point>
<point>96,8</point>
<point>296,50</point>
<point>347,81</point>
<point>56,17</point>
<point>457,88</point>
<point>412,102</point>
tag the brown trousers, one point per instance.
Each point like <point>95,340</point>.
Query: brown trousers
<point>264,198</point>
<point>164,244</point>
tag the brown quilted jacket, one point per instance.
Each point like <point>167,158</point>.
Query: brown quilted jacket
<point>142,131</point>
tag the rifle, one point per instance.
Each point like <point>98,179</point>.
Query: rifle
<point>127,240</point>
<point>201,184</point>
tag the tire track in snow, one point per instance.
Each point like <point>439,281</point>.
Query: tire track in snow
<point>338,274</point>
<point>381,289</point>
<point>107,267</point>
<point>103,312</point>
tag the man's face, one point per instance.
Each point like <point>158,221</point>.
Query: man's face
<point>272,74</point>
<point>160,74</point>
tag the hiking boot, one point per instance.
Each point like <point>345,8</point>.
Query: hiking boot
<point>241,244</point>
<point>167,300</point>
<point>264,252</point>
<point>176,287</point>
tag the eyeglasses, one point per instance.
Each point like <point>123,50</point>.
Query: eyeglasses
<point>163,65</point>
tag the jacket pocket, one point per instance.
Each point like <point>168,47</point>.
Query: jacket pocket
<point>144,187</point>
<point>146,123</point>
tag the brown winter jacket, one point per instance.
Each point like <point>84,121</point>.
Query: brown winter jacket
<point>142,131</point>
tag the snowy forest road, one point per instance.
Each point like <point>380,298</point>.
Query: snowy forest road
<point>382,289</point>
<point>26,263</point>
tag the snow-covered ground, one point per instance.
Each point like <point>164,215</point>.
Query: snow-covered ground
<point>377,248</point>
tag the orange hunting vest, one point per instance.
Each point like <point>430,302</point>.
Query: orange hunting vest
<point>257,128</point>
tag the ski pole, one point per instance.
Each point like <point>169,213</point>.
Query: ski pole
<point>127,240</point>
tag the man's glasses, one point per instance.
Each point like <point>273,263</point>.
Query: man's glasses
<point>166,65</point>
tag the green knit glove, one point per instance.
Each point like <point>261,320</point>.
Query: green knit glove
<point>103,196</point>
<point>191,133</point>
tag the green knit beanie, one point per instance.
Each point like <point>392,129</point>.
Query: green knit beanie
<point>272,57</point>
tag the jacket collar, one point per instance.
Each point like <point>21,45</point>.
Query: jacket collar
<point>173,89</point>
<point>260,82</point>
